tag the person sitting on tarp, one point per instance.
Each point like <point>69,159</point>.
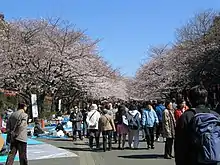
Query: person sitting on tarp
<point>60,127</point>
<point>37,128</point>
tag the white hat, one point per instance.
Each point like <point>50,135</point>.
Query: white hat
<point>94,107</point>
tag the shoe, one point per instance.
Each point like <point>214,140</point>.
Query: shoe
<point>157,140</point>
<point>167,157</point>
<point>148,147</point>
<point>172,156</point>
<point>152,147</point>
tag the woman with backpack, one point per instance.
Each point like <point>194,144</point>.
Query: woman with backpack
<point>134,125</point>
<point>168,125</point>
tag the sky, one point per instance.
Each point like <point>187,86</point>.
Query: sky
<point>127,28</point>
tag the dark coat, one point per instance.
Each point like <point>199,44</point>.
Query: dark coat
<point>37,129</point>
<point>76,118</point>
<point>185,153</point>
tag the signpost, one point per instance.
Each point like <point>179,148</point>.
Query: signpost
<point>59,105</point>
<point>34,105</point>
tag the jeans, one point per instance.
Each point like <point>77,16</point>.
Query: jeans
<point>79,133</point>
<point>21,147</point>
<point>133,135</point>
<point>107,135</point>
<point>85,132</point>
<point>149,132</point>
<point>168,146</point>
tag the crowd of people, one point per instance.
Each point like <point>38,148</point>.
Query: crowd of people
<point>193,131</point>
<point>128,121</point>
<point>178,123</point>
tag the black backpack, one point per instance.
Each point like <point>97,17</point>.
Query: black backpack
<point>134,122</point>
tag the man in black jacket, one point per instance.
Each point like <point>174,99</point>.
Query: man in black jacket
<point>185,153</point>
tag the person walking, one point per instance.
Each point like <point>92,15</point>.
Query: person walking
<point>17,135</point>
<point>134,125</point>
<point>149,120</point>
<point>159,110</point>
<point>168,125</point>
<point>122,126</point>
<point>107,127</point>
<point>93,128</point>
<point>200,146</point>
<point>181,108</point>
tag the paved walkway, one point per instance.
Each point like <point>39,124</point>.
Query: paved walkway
<point>114,157</point>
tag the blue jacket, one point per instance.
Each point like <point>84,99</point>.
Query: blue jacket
<point>149,118</point>
<point>159,110</point>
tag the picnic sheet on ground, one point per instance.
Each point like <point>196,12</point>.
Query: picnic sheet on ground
<point>51,133</point>
<point>40,150</point>
<point>4,158</point>
<point>43,151</point>
<point>29,142</point>
<point>47,151</point>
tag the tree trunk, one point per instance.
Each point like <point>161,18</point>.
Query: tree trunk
<point>41,104</point>
<point>53,105</point>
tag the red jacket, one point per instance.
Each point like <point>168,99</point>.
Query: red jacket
<point>179,112</point>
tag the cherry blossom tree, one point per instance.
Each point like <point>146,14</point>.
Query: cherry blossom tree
<point>51,57</point>
<point>190,61</point>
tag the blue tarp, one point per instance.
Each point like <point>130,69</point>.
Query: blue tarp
<point>4,158</point>
<point>29,142</point>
